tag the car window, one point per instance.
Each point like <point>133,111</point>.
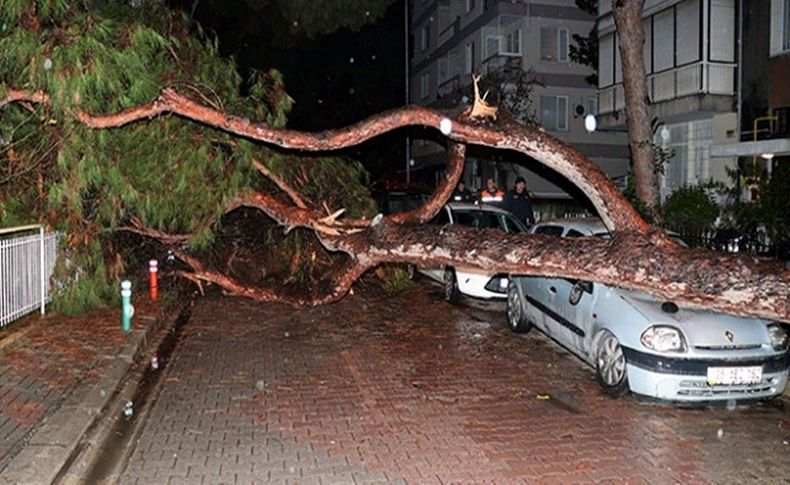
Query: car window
<point>549,230</point>
<point>574,233</point>
<point>511,224</point>
<point>441,218</point>
<point>487,220</point>
<point>464,218</point>
<point>479,219</point>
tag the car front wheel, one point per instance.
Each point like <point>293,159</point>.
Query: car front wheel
<point>516,316</point>
<point>450,283</point>
<point>610,366</point>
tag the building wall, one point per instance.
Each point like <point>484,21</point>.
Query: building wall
<point>451,29</point>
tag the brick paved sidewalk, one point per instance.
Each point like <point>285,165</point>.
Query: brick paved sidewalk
<point>409,389</point>
<point>47,362</point>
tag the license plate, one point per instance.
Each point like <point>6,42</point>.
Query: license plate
<point>735,375</point>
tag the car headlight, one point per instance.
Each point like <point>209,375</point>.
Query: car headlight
<point>663,338</point>
<point>779,339</point>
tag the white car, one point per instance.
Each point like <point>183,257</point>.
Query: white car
<point>650,347</point>
<point>469,281</point>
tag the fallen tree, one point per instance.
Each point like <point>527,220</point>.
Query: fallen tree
<point>228,144</point>
<point>637,257</point>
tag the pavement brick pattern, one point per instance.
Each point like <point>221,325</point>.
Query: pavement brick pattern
<point>408,389</point>
<point>40,368</point>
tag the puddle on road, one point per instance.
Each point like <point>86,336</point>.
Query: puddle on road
<point>116,446</point>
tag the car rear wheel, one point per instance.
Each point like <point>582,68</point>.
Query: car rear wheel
<point>450,283</point>
<point>610,366</point>
<point>516,316</point>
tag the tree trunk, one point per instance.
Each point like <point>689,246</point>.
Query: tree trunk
<point>631,37</point>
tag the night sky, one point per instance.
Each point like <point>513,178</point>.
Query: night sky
<point>336,79</point>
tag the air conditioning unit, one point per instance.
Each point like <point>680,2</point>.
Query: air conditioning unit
<point>580,110</point>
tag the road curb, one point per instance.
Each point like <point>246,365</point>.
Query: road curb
<point>52,446</point>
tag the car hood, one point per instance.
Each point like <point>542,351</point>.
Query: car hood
<point>703,329</point>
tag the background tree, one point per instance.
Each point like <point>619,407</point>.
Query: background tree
<point>584,49</point>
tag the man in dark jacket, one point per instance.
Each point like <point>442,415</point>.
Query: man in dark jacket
<point>517,201</point>
<point>462,194</point>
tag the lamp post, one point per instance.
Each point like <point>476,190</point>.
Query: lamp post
<point>406,65</point>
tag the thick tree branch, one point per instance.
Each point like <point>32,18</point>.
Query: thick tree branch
<point>613,208</point>
<point>456,156</point>
<point>651,262</point>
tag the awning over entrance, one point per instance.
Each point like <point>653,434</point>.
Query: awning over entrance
<point>777,147</point>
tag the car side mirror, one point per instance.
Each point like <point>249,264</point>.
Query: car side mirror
<point>578,290</point>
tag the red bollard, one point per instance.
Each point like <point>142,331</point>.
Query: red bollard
<point>153,281</point>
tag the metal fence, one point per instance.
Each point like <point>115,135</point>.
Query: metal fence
<point>27,261</point>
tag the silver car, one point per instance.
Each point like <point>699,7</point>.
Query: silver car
<point>470,281</point>
<point>649,347</point>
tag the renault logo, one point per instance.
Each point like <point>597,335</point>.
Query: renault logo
<point>729,335</point>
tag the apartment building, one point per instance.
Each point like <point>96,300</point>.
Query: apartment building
<point>764,93</point>
<point>690,56</point>
<point>454,39</point>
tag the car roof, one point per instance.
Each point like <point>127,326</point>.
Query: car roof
<point>585,225</point>
<point>466,206</point>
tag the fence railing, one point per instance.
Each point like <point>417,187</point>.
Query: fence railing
<point>27,261</point>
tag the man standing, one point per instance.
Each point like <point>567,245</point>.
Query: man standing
<point>517,201</point>
<point>462,194</point>
<point>491,194</point>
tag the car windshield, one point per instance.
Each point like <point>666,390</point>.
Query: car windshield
<point>488,220</point>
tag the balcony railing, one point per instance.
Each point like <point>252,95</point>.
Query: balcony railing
<point>501,60</point>
<point>449,86</point>
<point>449,32</point>
<point>700,78</point>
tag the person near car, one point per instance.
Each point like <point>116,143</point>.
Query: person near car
<point>491,194</point>
<point>462,194</point>
<point>517,202</point>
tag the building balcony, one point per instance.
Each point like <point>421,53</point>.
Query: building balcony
<point>502,61</point>
<point>693,79</point>
<point>448,86</point>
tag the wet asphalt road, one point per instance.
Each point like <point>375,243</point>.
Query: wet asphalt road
<point>409,389</point>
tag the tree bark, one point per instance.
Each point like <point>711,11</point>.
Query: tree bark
<point>631,36</point>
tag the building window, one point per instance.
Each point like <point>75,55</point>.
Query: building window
<point>470,5</point>
<point>425,85</point>
<point>562,45</point>
<point>690,143</point>
<point>469,65</point>
<point>554,112</point>
<point>509,44</point>
<point>424,37</point>
<point>554,44</point>
<point>513,42</point>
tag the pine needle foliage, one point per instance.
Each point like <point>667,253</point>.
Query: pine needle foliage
<point>171,174</point>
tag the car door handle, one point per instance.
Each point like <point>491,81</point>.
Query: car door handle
<point>553,289</point>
